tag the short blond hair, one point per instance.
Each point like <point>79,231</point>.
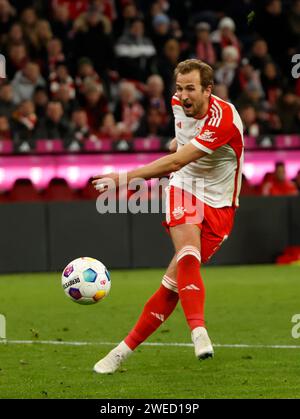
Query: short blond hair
<point>205,71</point>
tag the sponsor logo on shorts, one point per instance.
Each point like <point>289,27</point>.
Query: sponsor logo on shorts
<point>178,213</point>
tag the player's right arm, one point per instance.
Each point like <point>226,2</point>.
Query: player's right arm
<point>160,167</point>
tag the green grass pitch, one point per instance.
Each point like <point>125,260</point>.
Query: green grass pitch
<point>250,305</point>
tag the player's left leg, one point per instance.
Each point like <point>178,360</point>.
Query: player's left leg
<point>156,311</point>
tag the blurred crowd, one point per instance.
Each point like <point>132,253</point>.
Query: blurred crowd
<point>90,69</point>
<point>275,183</point>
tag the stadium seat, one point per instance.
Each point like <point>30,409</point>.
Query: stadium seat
<point>246,188</point>
<point>88,192</point>
<point>24,191</point>
<point>250,142</point>
<point>146,144</point>
<point>4,197</point>
<point>100,145</point>
<point>49,146</point>
<point>59,190</point>
<point>6,147</point>
<point>287,141</point>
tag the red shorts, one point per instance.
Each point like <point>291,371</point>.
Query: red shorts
<point>215,223</point>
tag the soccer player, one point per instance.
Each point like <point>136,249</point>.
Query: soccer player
<point>209,137</point>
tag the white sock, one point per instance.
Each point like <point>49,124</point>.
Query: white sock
<point>124,349</point>
<point>197,330</point>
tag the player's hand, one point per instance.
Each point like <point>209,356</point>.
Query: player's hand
<point>106,182</point>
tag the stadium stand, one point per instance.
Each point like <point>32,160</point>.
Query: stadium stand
<point>75,83</point>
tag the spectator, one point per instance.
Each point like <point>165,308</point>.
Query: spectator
<point>259,55</point>
<point>64,95</point>
<point>128,111</point>
<point>271,83</point>
<point>161,31</point>
<point>288,108</point>
<point>105,7</point>
<point>264,187</point>
<point>86,74</point>
<point>249,118</point>
<point>224,36</point>
<point>152,124</point>
<point>43,36</point>
<point>75,7</point>
<point>17,58</point>
<point>204,49</point>
<point>55,54</point>
<point>226,72</point>
<point>166,66</point>
<point>109,128</point>
<point>40,99</point>
<point>297,181</point>
<point>155,8</point>
<point>6,100</point>
<point>61,77</point>
<point>29,20</point>
<point>154,97</point>
<point>246,79</point>
<point>221,90</point>
<point>294,20</point>
<point>92,32</point>
<point>122,23</point>
<point>15,36</point>
<point>95,104</point>
<point>92,18</point>
<point>280,185</point>
<point>7,14</point>
<point>257,123</point>
<point>61,24</point>
<point>268,119</point>
<point>271,23</point>
<point>54,126</point>
<point>135,53</point>
<point>5,130</point>
<point>24,121</point>
<point>26,81</point>
<point>80,130</point>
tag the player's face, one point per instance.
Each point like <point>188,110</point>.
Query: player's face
<point>193,97</point>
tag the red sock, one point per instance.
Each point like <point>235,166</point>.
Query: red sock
<point>190,286</point>
<point>156,311</point>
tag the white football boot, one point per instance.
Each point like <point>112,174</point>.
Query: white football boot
<point>203,345</point>
<point>113,360</point>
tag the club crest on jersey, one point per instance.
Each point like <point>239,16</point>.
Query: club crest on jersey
<point>178,213</point>
<point>179,124</point>
<point>207,136</point>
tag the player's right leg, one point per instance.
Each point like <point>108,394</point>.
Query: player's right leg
<point>191,288</point>
<point>157,309</point>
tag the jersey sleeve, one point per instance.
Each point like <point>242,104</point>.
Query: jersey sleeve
<point>215,133</point>
<point>176,105</point>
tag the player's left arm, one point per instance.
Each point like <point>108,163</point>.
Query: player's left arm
<point>163,166</point>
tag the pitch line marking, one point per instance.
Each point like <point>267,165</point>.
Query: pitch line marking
<point>216,345</point>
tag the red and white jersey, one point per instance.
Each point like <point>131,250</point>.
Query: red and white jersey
<point>220,134</point>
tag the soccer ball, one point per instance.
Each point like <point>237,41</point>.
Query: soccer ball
<point>86,280</point>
